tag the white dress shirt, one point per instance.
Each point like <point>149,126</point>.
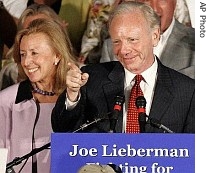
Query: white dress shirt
<point>147,85</point>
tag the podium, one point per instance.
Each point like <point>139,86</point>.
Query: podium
<point>133,153</point>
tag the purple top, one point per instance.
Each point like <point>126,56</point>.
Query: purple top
<point>17,118</point>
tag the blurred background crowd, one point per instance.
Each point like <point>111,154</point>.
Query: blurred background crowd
<point>85,21</point>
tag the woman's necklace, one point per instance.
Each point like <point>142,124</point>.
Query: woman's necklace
<point>39,91</point>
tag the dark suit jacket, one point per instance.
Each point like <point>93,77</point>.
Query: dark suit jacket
<point>173,102</point>
<point>179,53</point>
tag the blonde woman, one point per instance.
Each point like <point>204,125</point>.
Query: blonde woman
<point>42,52</point>
<point>9,73</point>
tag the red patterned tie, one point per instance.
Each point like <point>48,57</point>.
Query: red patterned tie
<point>132,125</point>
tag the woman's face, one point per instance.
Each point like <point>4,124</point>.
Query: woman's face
<point>38,57</point>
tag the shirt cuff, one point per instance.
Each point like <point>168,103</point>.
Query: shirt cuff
<point>71,105</point>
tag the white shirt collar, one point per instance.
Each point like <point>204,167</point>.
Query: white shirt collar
<point>167,32</point>
<point>163,40</point>
<point>149,75</point>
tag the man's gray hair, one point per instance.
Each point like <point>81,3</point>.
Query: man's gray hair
<point>131,6</point>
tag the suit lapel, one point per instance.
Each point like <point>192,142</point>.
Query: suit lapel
<point>115,87</point>
<point>163,96</point>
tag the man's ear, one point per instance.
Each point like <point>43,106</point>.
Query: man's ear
<point>156,36</point>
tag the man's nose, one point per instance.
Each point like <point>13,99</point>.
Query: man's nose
<point>125,49</point>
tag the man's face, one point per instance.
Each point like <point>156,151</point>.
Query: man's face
<point>164,9</point>
<point>133,41</point>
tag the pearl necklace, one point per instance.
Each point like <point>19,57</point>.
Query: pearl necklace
<point>39,91</point>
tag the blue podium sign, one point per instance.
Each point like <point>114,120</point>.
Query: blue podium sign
<point>134,153</point>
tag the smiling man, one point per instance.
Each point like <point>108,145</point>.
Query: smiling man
<point>176,48</point>
<point>91,91</point>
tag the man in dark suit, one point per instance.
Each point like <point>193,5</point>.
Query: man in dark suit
<point>176,48</point>
<point>134,29</point>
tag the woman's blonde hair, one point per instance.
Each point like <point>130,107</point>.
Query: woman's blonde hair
<point>60,43</point>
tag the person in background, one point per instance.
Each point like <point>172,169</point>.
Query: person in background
<point>96,31</point>
<point>182,13</point>
<point>8,30</point>
<point>176,48</point>
<point>54,4</point>
<point>170,96</point>
<point>15,8</point>
<point>9,72</point>
<point>75,13</point>
<point>42,52</point>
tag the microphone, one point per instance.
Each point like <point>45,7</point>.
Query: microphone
<point>141,106</point>
<point>119,100</point>
<point>18,160</point>
<point>156,123</point>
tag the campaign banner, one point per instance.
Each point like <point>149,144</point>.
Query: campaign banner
<point>133,153</point>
